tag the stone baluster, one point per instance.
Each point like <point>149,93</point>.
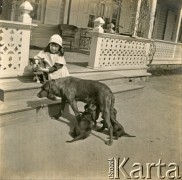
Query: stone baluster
<point>98,25</point>
<point>110,28</point>
<point>25,9</point>
<point>25,18</point>
<point>15,44</point>
<point>96,43</point>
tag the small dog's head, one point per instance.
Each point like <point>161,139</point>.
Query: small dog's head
<point>86,122</point>
<point>90,109</point>
<point>37,63</point>
<point>118,130</point>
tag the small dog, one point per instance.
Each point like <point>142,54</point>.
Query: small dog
<point>85,125</point>
<point>118,129</point>
<point>38,75</point>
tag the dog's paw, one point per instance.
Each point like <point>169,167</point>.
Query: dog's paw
<point>114,138</point>
<point>54,98</point>
<point>109,142</point>
<point>69,141</point>
<point>55,117</point>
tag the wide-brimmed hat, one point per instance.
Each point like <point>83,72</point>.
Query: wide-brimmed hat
<point>56,39</point>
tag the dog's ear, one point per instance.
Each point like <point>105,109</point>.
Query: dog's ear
<point>31,61</point>
<point>34,61</point>
<point>53,87</point>
<point>46,85</point>
<point>43,63</point>
<point>86,106</point>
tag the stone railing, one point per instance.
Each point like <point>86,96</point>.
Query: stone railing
<point>167,53</point>
<point>116,51</point>
<point>14,44</point>
<point>112,51</point>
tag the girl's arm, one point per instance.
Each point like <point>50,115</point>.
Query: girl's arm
<point>52,69</point>
<point>55,67</point>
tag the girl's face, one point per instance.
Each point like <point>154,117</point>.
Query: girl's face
<point>54,48</point>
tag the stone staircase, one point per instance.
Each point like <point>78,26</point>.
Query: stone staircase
<point>19,102</point>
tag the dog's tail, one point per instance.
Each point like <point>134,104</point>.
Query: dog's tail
<point>113,111</point>
<point>127,135</point>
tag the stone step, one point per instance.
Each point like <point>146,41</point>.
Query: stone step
<point>34,102</point>
<point>20,88</point>
<point>21,103</point>
<point>35,109</point>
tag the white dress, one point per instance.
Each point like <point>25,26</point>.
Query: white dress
<point>50,60</point>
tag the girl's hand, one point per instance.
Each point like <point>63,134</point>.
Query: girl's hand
<point>42,69</point>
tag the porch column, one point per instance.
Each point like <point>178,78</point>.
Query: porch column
<point>178,23</point>
<point>66,11</point>
<point>13,9</point>
<point>152,18</point>
<point>137,17</point>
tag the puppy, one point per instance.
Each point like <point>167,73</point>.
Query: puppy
<point>118,129</point>
<point>91,110</point>
<point>85,125</point>
<point>38,75</point>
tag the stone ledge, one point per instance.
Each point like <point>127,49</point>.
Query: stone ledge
<point>16,25</point>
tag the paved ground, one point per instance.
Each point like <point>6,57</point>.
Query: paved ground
<point>37,150</point>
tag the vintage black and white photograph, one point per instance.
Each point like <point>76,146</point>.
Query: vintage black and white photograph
<point>90,89</point>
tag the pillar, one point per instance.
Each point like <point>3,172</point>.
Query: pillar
<point>137,18</point>
<point>178,24</point>
<point>152,18</point>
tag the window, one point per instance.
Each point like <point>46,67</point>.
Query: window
<point>108,10</point>
<point>115,14</point>
<point>107,21</point>
<point>91,21</point>
<point>38,10</point>
<point>101,10</point>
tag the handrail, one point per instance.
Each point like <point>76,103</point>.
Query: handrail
<point>118,36</point>
<point>167,42</point>
<point>16,24</point>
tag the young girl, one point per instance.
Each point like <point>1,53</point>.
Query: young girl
<point>53,57</point>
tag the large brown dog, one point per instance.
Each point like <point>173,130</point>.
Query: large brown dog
<point>72,89</point>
